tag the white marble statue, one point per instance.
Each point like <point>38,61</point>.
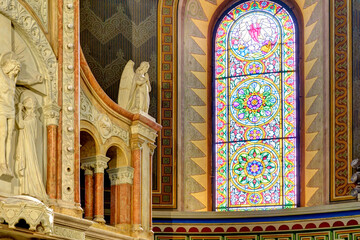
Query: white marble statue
<point>9,71</point>
<point>135,87</point>
<point>26,160</point>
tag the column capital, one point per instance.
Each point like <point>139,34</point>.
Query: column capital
<point>121,175</point>
<point>51,114</point>
<point>88,168</point>
<point>136,142</point>
<point>98,163</point>
<point>152,147</point>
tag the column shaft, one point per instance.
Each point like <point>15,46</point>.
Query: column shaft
<point>99,197</point>
<point>115,204</point>
<point>89,197</point>
<point>136,158</point>
<point>51,161</point>
<point>125,203</point>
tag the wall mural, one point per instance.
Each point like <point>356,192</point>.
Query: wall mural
<point>112,33</point>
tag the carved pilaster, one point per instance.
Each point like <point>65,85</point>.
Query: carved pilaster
<point>51,114</point>
<point>121,175</point>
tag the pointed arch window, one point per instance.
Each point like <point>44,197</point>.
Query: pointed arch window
<point>256,120</point>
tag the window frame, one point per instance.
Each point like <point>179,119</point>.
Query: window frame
<point>294,12</point>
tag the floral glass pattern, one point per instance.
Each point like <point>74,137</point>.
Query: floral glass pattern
<point>255,91</point>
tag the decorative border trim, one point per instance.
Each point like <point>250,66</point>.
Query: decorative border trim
<point>341,100</point>
<point>165,195</point>
<point>68,102</point>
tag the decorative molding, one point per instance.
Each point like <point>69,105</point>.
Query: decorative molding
<point>121,175</point>
<point>118,23</point>
<point>167,103</point>
<point>40,7</point>
<point>102,122</point>
<point>68,233</point>
<point>341,100</point>
<point>44,54</point>
<point>142,130</point>
<point>68,101</point>
<point>37,215</point>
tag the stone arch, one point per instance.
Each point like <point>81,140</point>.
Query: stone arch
<point>31,32</point>
<point>117,155</point>
<point>89,128</point>
<point>89,146</point>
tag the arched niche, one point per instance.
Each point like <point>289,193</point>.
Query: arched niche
<point>24,44</point>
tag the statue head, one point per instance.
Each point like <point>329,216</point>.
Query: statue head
<point>11,67</point>
<point>28,100</point>
<point>143,68</point>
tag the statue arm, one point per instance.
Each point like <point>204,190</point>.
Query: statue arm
<point>30,81</point>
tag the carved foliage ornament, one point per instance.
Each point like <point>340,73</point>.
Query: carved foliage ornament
<point>121,175</point>
<point>103,123</point>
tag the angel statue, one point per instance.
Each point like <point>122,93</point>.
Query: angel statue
<point>135,87</point>
<point>9,71</point>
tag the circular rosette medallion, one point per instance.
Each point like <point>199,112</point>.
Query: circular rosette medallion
<point>254,36</point>
<point>255,169</point>
<point>254,102</point>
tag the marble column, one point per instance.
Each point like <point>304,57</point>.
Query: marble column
<point>121,181</point>
<point>51,114</point>
<point>151,154</point>
<point>98,163</point>
<point>89,191</point>
<point>136,147</point>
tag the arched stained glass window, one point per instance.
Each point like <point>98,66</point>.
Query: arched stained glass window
<point>256,108</point>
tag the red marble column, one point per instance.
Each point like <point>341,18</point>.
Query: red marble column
<point>99,197</point>
<point>51,161</point>
<point>125,203</point>
<point>96,199</point>
<point>136,195</point>
<point>89,195</point>
<point>121,180</point>
<point>115,204</point>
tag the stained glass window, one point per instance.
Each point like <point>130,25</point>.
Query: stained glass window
<point>255,105</point>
